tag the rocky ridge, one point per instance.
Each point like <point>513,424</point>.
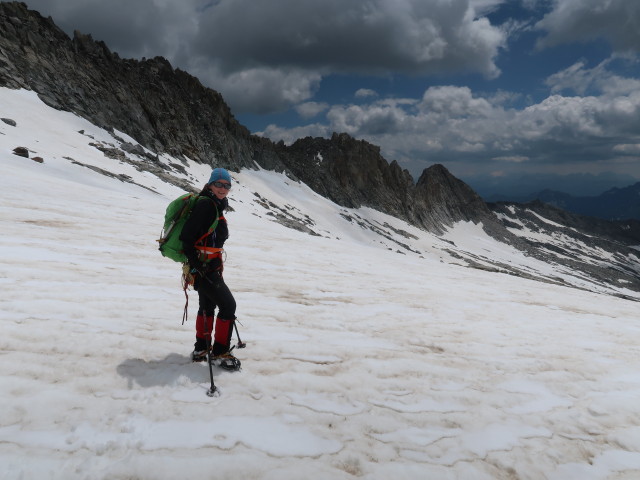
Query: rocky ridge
<point>607,252</point>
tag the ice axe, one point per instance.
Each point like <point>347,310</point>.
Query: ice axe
<point>240,343</point>
<point>213,391</point>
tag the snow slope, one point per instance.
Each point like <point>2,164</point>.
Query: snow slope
<point>361,362</point>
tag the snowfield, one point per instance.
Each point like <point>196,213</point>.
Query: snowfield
<point>363,359</point>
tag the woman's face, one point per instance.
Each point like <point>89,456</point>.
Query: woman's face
<point>220,188</point>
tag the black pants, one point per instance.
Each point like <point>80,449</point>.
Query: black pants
<point>212,293</point>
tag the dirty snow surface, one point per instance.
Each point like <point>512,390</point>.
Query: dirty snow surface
<point>363,360</point>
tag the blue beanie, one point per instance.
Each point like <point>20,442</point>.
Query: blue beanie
<point>219,174</point>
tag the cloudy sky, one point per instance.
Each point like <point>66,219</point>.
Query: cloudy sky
<point>502,92</point>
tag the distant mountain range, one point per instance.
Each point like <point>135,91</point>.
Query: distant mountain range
<point>614,204</point>
<point>578,184</point>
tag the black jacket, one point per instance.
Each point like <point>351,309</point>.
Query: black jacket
<point>204,213</point>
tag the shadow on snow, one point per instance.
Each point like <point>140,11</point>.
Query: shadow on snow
<point>172,370</point>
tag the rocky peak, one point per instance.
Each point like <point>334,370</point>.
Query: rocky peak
<point>440,200</point>
<point>350,172</point>
<point>84,44</point>
<point>353,173</point>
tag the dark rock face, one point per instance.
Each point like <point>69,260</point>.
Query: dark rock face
<point>164,109</point>
<point>440,200</point>
<point>623,231</point>
<point>352,173</point>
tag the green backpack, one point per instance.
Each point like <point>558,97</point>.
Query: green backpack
<point>175,217</point>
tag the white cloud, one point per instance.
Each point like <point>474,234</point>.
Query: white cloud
<point>290,135</point>
<point>311,109</point>
<point>579,79</point>
<point>259,90</point>
<point>512,159</point>
<point>585,20</point>
<point>575,78</point>
<point>628,149</point>
<point>374,119</point>
<point>482,7</point>
<point>365,92</point>
<point>453,101</point>
<point>450,124</point>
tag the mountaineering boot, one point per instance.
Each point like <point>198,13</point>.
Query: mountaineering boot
<point>220,352</point>
<point>226,361</point>
<point>199,353</point>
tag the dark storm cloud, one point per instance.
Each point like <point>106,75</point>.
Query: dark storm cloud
<point>377,36</point>
<point>132,29</point>
<point>246,48</point>
<point>271,55</point>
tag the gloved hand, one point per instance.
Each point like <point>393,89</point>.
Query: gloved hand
<point>214,264</point>
<point>196,265</point>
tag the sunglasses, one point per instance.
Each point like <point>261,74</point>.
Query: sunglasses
<point>221,185</point>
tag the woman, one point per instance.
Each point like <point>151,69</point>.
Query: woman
<point>203,236</point>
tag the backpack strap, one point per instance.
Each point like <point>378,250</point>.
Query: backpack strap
<point>209,253</point>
